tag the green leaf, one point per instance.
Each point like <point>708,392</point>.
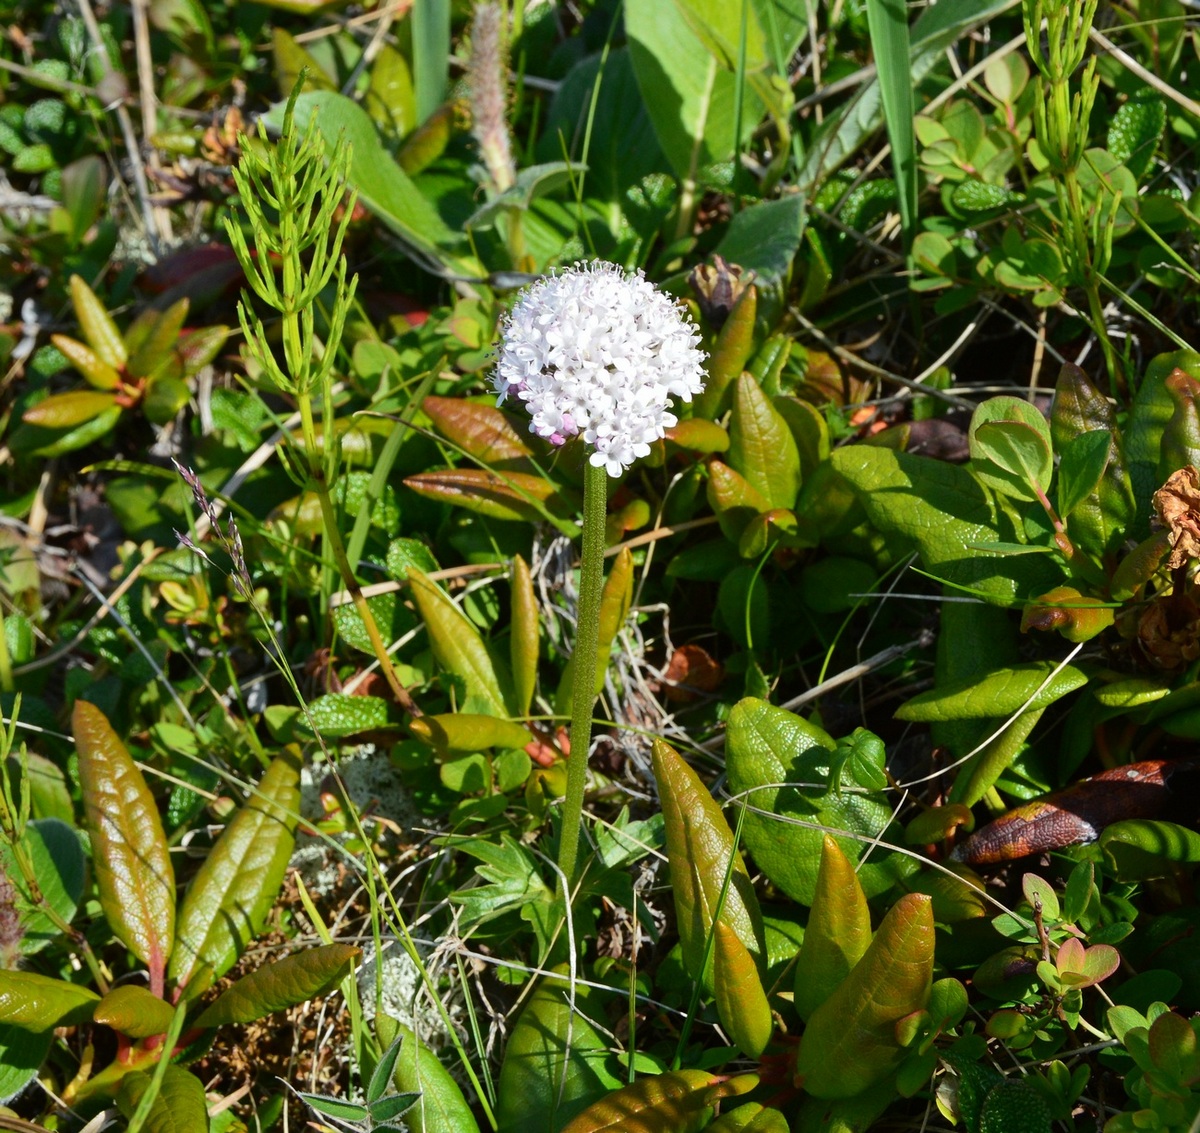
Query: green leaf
<point>973,195</point>
<point>283,984</point>
<point>524,639</point>
<point>460,732</point>
<point>39,1003</point>
<point>1135,130</point>
<point>761,446</point>
<point>850,1041</point>
<point>457,647</point>
<point>1142,848</point>
<point>337,715</point>
<point>1011,450</point>
<point>614,609</point>
<point>1014,1105</point>
<point>701,854</point>
<point>513,884</point>
<point>838,931</point>
<point>56,444</point>
<point>337,1108</point>
<point>441,1107</point>
<point>734,499</point>
<point>943,512</point>
<point>750,1118</point>
<point>556,1063</point>
<point>998,694</point>
<point>730,353</point>
<point>97,325</point>
<point>765,238</point>
<point>180,1106</point>
<point>381,184</point>
<point>766,746</point>
<point>156,343</point>
<point>742,1003</point>
<point>675,1102</point>
<point>59,866</point>
<point>68,410</point>
<point>887,24</point>
<point>130,855</point>
<point>134,1011</point>
<point>1081,468</point>
<point>21,1057</point>
<point>227,902</point>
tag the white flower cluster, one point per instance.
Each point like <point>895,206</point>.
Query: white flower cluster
<point>597,352</point>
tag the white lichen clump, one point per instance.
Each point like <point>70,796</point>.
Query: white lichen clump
<point>597,352</point>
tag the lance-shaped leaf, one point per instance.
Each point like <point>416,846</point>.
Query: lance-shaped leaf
<point>67,410</point>
<point>523,643</point>
<point>179,1108</point>
<point>730,353</point>
<point>481,431</point>
<point>151,340</point>
<point>850,1041</point>
<point>441,1107</point>
<point>95,370</point>
<point>701,853</point>
<point>283,984</point>
<point>676,1102</point>
<point>614,609</point>
<point>734,499</point>
<point>130,855</point>
<point>37,1003</point>
<point>555,1064</point>
<point>459,732</point>
<point>518,496</point>
<point>1018,688</point>
<point>199,347</point>
<point>458,647</point>
<point>97,325</point>
<point>838,932</point>
<point>761,446</point>
<point>81,435</point>
<point>741,1002</point>
<point>228,900</point>
<point>134,1011</point>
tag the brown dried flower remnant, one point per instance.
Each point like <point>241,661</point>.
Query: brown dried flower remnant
<point>1177,503</point>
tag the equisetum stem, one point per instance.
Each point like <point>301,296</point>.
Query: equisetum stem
<point>587,642</point>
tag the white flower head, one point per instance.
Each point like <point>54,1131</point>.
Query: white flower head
<point>595,351</point>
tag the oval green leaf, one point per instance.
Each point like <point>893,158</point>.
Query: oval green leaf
<point>1019,688</point>
<point>441,1107</point>
<point>134,1011</point>
<point>38,1003</point>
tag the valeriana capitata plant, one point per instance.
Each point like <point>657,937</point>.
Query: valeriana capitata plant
<point>596,353</point>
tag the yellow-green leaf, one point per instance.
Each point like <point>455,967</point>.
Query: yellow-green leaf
<point>675,1102</point>
<point>228,900</point>
<point>457,646</point>
<point>179,1108</point>
<point>614,609</point>
<point>524,637</point>
<point>741,1002</point>
<point>97,324</point>
<point>838,931</point>
<point>68,410</point>
<point>157,347</point>
<point>750,1118</point>
<point>37,1003</point>
<point>130,855</point>
<point>458,732</point>
<point>700,851</point>
<point>850,1041</point>
<point>730,353</point>
<point>283,984</point>
<point>134,1011</point>
<point>95,370</point>
<point>761,446</point>
<point>441,1108</point>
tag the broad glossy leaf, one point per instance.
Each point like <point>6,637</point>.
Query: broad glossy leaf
<point>742,1003</point>
<point>459,732</point>
<point>674,1102</point>
<point>457,647</point>
<point>768,746</point>
<point>228,900</point>
<point>481,431</point>
<point>1017,688</point>
<point>21,1056</point>
<point>95,370</point>
<point>838,931</point>
<point>179,1108</point>
<point>57,857</point>
<point>614,609</point>
<point>1141,848</point>
<point>441,1107</point>
<point>761,446</point>
<point>1077,617</point>
<point>701,853</point>
<point>1011,450</point>
<point>698,435</point>
<point>97,325</point>
<point>283,984</point>
<point>68,410</point>
<point>1084,459</point>
<point>750,1118</point>
<point>1181,436</point>
<point>556,1063</point>
<point>1140,565</point>
<point>809,429</point>
<point>134,1011</point>
<point>130,855</point>
<point>38,1003</point>
<point>734,499</point>
<point>500,495</point>
<point>730,353</point>
<point>524,640</point>
<point>850,1041</point>
<point>943,512</point>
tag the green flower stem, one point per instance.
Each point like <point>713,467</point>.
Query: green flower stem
<point>587,643</point>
